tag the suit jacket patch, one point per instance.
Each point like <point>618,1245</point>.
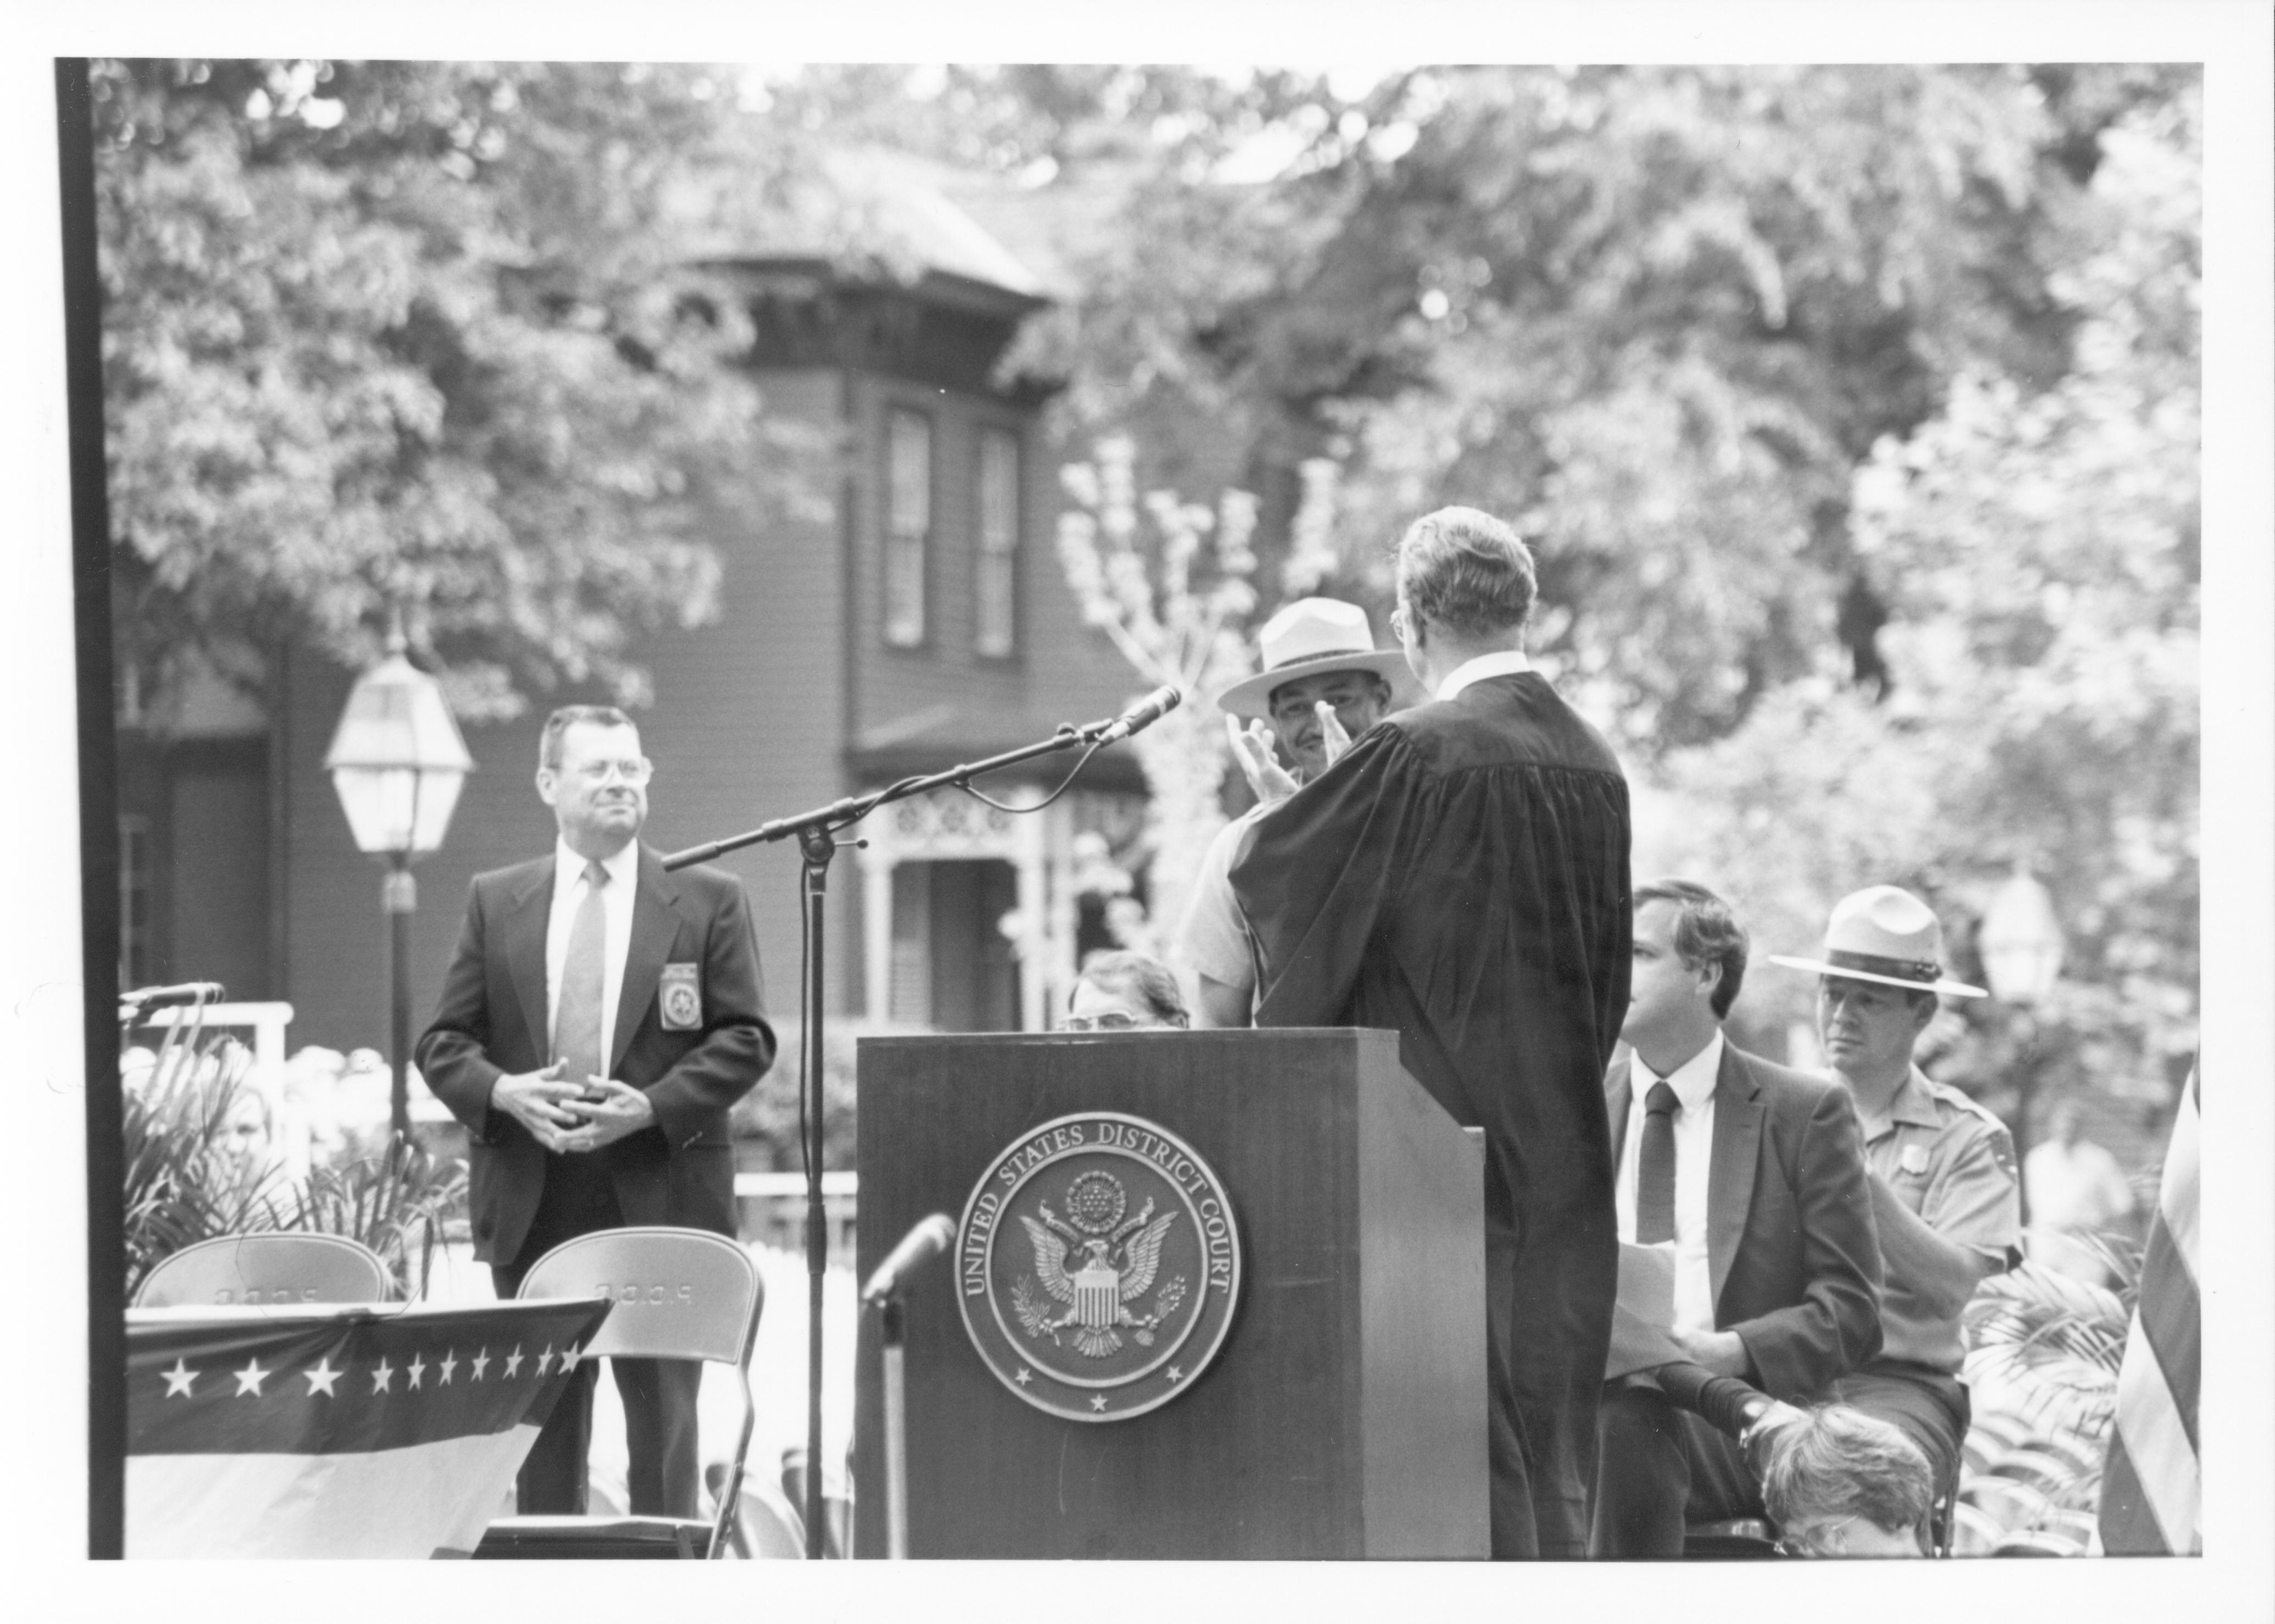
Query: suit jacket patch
<point>680,999</point>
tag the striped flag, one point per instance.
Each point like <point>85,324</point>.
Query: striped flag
<point>2152,1485</point>
<point>348,1432</point>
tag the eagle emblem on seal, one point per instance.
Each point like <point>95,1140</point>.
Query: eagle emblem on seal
<point>1092,1270</point>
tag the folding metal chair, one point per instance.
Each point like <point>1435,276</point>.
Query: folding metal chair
<point>274,1267</point>
<point>678,1294</point>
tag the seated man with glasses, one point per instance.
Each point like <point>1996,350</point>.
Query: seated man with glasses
<point>1125,991</point>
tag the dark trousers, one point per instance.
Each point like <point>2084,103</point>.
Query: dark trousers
<point>1540,1446</point>
<point>1657,1469</point>
<point>658,1394</point>
<point>1931,1408</point>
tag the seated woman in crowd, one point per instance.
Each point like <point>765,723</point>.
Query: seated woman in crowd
<point>1839,1481</point>
<point>1123,992</point>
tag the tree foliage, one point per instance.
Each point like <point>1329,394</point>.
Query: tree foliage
<point>1653,315</point>
<point>1852,411</point>
<point>425,338</point>
<point>2040,552</point>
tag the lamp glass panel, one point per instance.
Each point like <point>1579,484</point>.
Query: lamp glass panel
<point>438,798</point>
<point>380,803</point>
<point>2023,969</point>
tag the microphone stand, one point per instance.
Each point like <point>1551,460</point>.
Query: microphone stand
<point>890,1337</point>
<point>816,834</point>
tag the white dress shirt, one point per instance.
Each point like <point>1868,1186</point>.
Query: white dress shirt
<point>1506,662</point>
<point>1693,1084</point>
<point>569,887</point>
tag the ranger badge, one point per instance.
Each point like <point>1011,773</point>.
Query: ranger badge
<point>680,999</point>
<point>1114,1287</point>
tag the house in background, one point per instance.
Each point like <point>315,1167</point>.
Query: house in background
<point>916,619</point>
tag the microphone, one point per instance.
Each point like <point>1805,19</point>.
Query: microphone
<point>933,1234</point>
<point>167,997</point>
<point>1142,715</point>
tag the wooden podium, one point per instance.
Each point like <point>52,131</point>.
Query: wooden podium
<point>1343,1413</point>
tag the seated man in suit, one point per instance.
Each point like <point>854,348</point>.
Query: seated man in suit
<point>1757,1174</point>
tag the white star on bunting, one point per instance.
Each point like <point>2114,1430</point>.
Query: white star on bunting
<point>513,1362</point>
<point>418,1368</point>
<point>1098,1400</point>
<point>570,1357</point>
<point>481,1360</point>
<point>545,1359</point>
<point>179,1379</point>
<point>1026,1377</point>
<point>381,1377</point>
<point>450,1364</point>
<point>321,1378</point>
<point>249,1379</point>
<point>1176,1374</point>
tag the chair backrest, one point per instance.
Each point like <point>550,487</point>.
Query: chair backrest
<point>279,1266</point>
<point>678,1294</point>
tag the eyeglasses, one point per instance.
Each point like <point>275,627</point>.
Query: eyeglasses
<point>1848,1536</point>
<point>633,772</point>
<point>1112,1021</point>
<point>1816,1539</point>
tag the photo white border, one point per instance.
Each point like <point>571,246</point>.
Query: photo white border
<point>42,1501</point>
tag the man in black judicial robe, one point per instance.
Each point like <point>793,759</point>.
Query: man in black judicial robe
<point>1460,875</point>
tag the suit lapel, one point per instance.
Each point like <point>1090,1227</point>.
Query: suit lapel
<point>1730,1171</point>
<point>527,913</point>
<point>1619,1092</point>
<point>656,926</point>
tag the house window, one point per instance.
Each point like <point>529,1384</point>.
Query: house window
<point>907,526</point>
<point>995,590</point>
<point>133,900</point>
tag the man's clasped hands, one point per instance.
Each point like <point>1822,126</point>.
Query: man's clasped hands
<point>572,1118</point>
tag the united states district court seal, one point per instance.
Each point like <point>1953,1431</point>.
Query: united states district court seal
<point>1097,1266</point>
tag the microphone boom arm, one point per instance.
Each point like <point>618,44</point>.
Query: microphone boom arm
<point>852,808</point>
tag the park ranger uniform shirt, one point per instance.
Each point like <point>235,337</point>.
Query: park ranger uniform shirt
<point>1952,1162</point>
<point>1213,940</point>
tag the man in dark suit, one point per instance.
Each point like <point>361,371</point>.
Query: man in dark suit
<point>1460,876</point>
<point>598,1019</point>
<point>1757,1174</point>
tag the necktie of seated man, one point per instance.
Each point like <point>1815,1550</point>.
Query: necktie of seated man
<point>1655,1172</point>
<point>584,979</point>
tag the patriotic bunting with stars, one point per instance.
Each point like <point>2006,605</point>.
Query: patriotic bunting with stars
<point>351,1431</point>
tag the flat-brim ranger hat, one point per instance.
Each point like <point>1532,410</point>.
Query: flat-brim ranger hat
<point>1885,935</point>
<point>1311,637</point>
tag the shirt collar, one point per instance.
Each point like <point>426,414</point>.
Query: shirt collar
<point>621,868</point>
<point>1915,1103</point>
<point>1911,1103</point>
<point>1693,1081</point>
<point>1502,663</point>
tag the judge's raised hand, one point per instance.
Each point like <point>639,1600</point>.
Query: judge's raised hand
<point>610,1111</point>
<point>1252,747</point>
<point>1330,731</point>
<point>535,1100</point>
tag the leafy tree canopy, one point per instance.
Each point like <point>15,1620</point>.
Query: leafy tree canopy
<point>1853,411</point>
<point>1655,316</point>
<point>423,338</point>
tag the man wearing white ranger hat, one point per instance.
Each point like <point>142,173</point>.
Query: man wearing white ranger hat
<point>1943,1175</point>
<point>1323,683</point>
